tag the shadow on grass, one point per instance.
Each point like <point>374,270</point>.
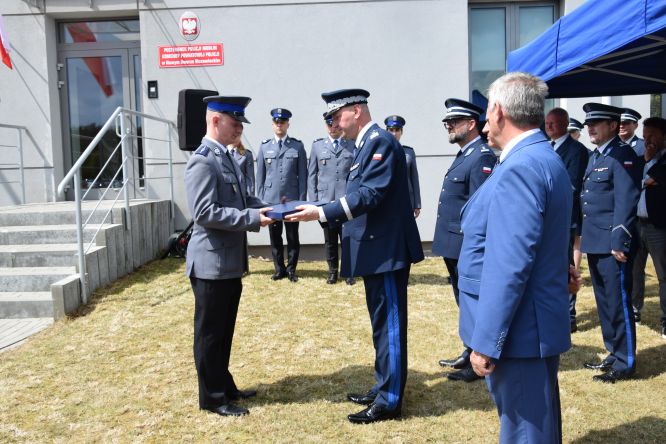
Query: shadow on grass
<point>147,274</point>
<point>578,355</point>
<point>647,429</point>
<point>426,394</point>
<point>651,313</point>
<point>651,362</point>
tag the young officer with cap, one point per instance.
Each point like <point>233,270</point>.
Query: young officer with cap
<point>628,125</point>
<point>222,212</point>
<point>380,241</point>
<point>394,125</point>
<point>608,202</point>
<point>574,128</point>
<point>282,171</point>
<point>330,160</point>
<point>471,167</point>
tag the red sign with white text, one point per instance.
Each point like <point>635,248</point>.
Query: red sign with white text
<point>188,56</point>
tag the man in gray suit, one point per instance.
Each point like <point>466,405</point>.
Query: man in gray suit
<point>217,252</point>
<point>282,176</point>
<point>330,160</point>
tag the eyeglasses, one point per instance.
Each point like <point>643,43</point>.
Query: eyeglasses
<point>451,124</point>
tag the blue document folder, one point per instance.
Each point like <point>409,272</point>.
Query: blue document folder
<point>279,211</point>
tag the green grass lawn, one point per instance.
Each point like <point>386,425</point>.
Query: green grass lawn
<point>122,369</point>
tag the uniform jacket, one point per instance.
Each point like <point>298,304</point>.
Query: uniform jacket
<point>655,195</point>
<point>328,169</point>
<point>513,263</point>
<point>609,197</point>
<point>222,213</point>
<point>637,144</point>
<point>412,177</point>
<point>575,157</point>
<point>465,175</point>
<point>282,172</point>
<point>246,165</point>
<point>379,232</point>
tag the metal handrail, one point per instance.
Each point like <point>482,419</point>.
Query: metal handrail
<point>118,123</point>
<point>19,146</point>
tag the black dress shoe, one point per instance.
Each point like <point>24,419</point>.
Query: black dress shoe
<point>332,277</point>
<point>604,365</point>
<point>292,276</point>
<point>612,376</point>
<point>279,275</point>
<point>350,281</point>
<point>229,410</point>
<point>574,327</point>
<point>373,413</point>
<point>637,317</point>
<point>467,375</point>
<point>458,363</point>
<point>364,399</point>
<point>243,394</point>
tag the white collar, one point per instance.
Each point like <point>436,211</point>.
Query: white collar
<point>559,141</point>
<point>283,139</point>
<point>333,140</point>
<point>362,132</point>
<point>513,142</point>
<point>602,148</point>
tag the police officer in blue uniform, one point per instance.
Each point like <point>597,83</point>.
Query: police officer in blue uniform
<point>471,167</point>
<point>608,202</point>
<point>380,241</point>
<point>222,211</point>
<point>395,125</point>
<point>575,156</point>
<point>282,171</point>
<point>628,125</point>
<point>330,160</point>
<point>574,128</point>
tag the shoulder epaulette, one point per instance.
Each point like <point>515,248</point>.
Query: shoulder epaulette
<point>317,140</point>
<point>485,150</point>
<point>294,139</point>
<point>203,150</point>
<point>265,141</point>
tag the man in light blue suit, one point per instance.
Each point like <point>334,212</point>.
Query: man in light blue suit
<point>513,266</point>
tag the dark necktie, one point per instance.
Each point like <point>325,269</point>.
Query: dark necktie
<point>552,143</point>
<point>335,145</point>
<point>595,156</point>
<point>459,154</point>
<point>280,144</point>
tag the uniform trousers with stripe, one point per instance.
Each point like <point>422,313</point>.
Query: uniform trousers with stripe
<point>612,282</point>
<point>527,396</point>
<point>215,309</point>
<point>386,297</point>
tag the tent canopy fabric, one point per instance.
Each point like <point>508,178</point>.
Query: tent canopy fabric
<point>602,48</point>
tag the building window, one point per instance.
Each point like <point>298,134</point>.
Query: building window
<point>495,29</point>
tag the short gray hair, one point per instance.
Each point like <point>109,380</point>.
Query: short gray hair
<point>521,97</point>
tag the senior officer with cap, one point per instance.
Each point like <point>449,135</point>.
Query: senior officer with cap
<point>282,171</point>
<point>628,125</point>
<point>395,125</point>
<point>380,241</point>
<point>608,202</point>
<point>574,128</point>
<point>222,211</point>
<point>513,263</point>
<point>471,167</point>
<point>330,160</point>
<point>575,157</point>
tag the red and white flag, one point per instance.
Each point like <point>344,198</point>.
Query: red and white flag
<point>4,45</point>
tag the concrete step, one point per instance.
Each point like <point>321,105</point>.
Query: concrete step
<point>38,255</point>
<point>55,213</point>
<point>23,304</point>
<point>32,278</point>
<point>46,234</point>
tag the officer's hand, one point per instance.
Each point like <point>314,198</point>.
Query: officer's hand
<point>305,213</point>
<point>619,256</point>
<point>649,182</point>
<point>481,364</point>
<point>263,220</point>
<point>575,280</point>
<point>417,211</point>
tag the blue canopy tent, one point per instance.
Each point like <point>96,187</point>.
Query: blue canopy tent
<point>602,48</point>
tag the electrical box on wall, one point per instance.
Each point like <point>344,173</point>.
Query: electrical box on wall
<point>152,89</point>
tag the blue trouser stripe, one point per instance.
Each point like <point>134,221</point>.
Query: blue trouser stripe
<point>627,321</point>
<point>393,328</point>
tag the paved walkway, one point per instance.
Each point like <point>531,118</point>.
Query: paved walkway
<point>14,331</point>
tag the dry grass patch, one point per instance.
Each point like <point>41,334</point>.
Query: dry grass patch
<point>122,370</point>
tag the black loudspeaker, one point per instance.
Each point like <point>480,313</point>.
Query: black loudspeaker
<point>192,117</point>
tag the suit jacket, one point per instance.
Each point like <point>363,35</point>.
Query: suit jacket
<point>328,169</point>
<point>379,232</point>
<point>609,197</point>
<point>222,213</point>
<point>465,175</point>
<point>513,263</point>
<point>246,165</point>
<point>575,157</point>
<point>282,172</point>
<point>412,177</point>
<point>655,195</point>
